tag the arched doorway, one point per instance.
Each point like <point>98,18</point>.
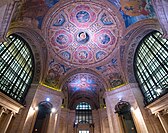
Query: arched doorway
<point>42,119</point>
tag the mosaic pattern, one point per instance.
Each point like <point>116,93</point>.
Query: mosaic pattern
<point>83,82</point>
<point>104,39</point>
<point>82,33</point>
<point>83,54</point>
<point>59,20</point>
<point>34,10</point>
<point>132,11</point>
<point>50,3</point>
<point>82,16</point>
<point>112,72</point>
<point>56,70</point>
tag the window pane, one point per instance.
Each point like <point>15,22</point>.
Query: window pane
<point>83,106</point>
<point>83,131</point>
<point>83,113</point>
<point>151,65</point>
<point>16,63</point>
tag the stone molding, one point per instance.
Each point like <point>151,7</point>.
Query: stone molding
<point>121,89</point>
<point>159,105</point>
<point>9,103</point>
<point>37,45</point>
<point>133,37</point>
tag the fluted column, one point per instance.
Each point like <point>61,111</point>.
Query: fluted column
<point>7,122</point>
<point>163,122</point>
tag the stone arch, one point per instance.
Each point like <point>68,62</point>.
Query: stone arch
<point>73,103</point>
<point>83,70</point>
<point>96,96</point>
<point>43,116</point>
<point>37,45</point>
<point>136,33</point>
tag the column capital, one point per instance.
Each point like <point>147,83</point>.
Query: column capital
<point>165,111</point>
<point>163,121</point>
<point>3,109</point>
<point>158,114</point>
<point>12,113</point>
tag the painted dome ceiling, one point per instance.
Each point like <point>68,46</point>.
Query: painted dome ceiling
<point>81,38</point>
<point>82,33</point>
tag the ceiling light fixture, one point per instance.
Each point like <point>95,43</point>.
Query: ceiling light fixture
<point>53,110</point>
<point>47,99</point>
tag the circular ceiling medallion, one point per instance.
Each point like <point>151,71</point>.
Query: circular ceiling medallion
<point>82,16</point>
<point>104,39</point>
<point>82,37</point>
<point>61,39</point>
<point>83,54</point>
<point>82,33</point>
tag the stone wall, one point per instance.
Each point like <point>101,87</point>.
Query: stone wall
<point>25,120</point>
<point>161,9</point>
<point>142,118</point>
<point>7,8</point>
<point>67,118</point>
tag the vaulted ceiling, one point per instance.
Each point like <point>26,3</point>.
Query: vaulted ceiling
<point>84,42</point>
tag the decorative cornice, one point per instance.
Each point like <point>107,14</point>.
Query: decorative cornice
<point>159,105</point>
<point>9,103</point>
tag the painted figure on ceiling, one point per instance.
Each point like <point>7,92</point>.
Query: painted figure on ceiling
<point>134,7</point>
<point>133,11</point>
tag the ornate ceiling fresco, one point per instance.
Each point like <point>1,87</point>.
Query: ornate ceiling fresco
<point>133,11</point>
<point>84,35</point>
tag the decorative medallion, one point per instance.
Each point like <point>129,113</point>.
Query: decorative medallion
<point>83,54</point>
<point>82,37</point>
<point>104,39</point>
<point>82,16</point>
<point>61,39</point>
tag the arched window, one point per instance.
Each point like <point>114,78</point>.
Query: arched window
<point>151,66</point>
<point>83,113</point>
<point>16,67</point>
